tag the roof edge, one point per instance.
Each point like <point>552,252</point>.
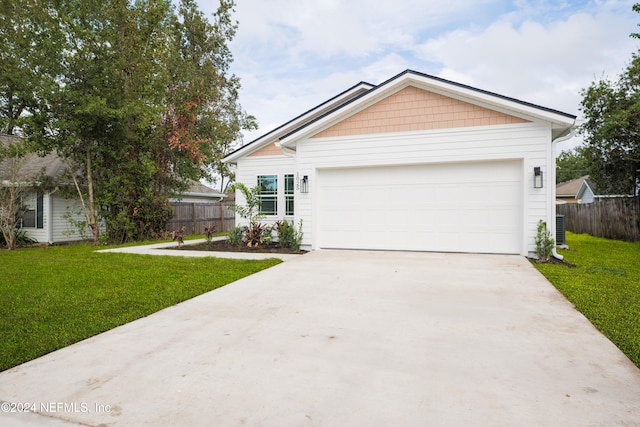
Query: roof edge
<point>236,153</point>
<point>437,79</point>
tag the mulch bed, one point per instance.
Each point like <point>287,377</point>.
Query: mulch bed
<point>223,246</point>
<point>553,260</point>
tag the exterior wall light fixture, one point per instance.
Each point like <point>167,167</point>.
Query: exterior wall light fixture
<point>304,184</point>
<point>537,177</point>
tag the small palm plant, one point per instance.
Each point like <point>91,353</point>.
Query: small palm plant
<point>255,234</point>
<point>251,209</point>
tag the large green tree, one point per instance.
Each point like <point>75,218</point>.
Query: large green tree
<point>204,118</point>
<point>30,42</point>
<point>143,102</point>
<point>571,164</point>
<point>611,129</point>
<point>102,114</point>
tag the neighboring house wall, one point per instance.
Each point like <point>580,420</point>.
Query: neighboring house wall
<point>587,197</point>
<point>528,142</point>
<point>65,210</point>
<point>56,227</point>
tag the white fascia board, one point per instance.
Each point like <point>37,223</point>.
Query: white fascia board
<point>275,134</point>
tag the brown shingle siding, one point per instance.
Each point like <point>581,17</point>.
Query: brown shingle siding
<point>413,109</point>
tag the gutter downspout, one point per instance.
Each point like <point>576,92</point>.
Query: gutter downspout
<point>284,150</point>
<point>570,135</point>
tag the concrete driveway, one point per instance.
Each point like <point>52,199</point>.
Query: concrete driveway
<point>344,338</point>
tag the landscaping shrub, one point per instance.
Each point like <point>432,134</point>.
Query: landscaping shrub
<point>21,238</point>
<point>288,235</point>
<point>235,235</point>
<point>544,242</point>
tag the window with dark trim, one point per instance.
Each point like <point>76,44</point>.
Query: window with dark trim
<point>33,216</point>
<point>268,185</point>
<point>288,194</point>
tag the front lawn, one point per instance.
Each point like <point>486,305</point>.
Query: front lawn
<point>604,286</point>
<point>56,296</point>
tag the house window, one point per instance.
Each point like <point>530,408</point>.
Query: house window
<point>34,213</point>
<point>288,194</point>
<point>268,185</point>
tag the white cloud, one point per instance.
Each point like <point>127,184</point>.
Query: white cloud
<point>542,63</point>
<point>293,54</point>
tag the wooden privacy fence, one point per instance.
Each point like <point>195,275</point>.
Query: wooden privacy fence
<point>194,217</point>
<point>610,218</point>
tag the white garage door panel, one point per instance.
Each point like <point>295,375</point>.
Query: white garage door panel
<point>460,207</point>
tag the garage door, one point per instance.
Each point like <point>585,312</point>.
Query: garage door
<point>454,207</point>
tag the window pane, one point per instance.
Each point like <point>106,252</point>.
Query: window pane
<point>269,205</point>
<point>268,184</point>
<point>288,184</point>
<point>29,219</point>
<point>289,207</point>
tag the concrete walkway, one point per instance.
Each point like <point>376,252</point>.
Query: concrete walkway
<point>161,249</point>
<point>344,338</point>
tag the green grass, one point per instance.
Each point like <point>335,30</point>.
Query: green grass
<point>53,297</point>
<point>604,286</point>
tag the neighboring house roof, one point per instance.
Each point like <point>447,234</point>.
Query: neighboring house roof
<point>363,95</point>
<point>569,189</point>
<point>51,164</point>
<point>197,189</point>
<point>198,193</point>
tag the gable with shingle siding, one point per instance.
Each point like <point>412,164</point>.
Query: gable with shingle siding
<point>414,109</point>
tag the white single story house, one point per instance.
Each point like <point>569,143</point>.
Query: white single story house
<point>49,217</point>
<point>415,163</point>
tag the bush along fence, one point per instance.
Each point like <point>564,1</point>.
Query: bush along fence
<point>195,217</point>
<point>617,218</point>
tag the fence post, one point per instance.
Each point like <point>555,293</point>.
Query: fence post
<point>193,218</point>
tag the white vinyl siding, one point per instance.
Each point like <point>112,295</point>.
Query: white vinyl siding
<point>529,144</point>
<point>249,168</point>
<point>56,224</point>
<point>65,210</point>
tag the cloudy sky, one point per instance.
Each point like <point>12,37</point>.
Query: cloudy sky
<point>291,55</point>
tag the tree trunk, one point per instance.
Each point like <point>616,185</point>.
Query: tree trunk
<point>89,212</point>
<point>91,220</point>
<point>9,219</point>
